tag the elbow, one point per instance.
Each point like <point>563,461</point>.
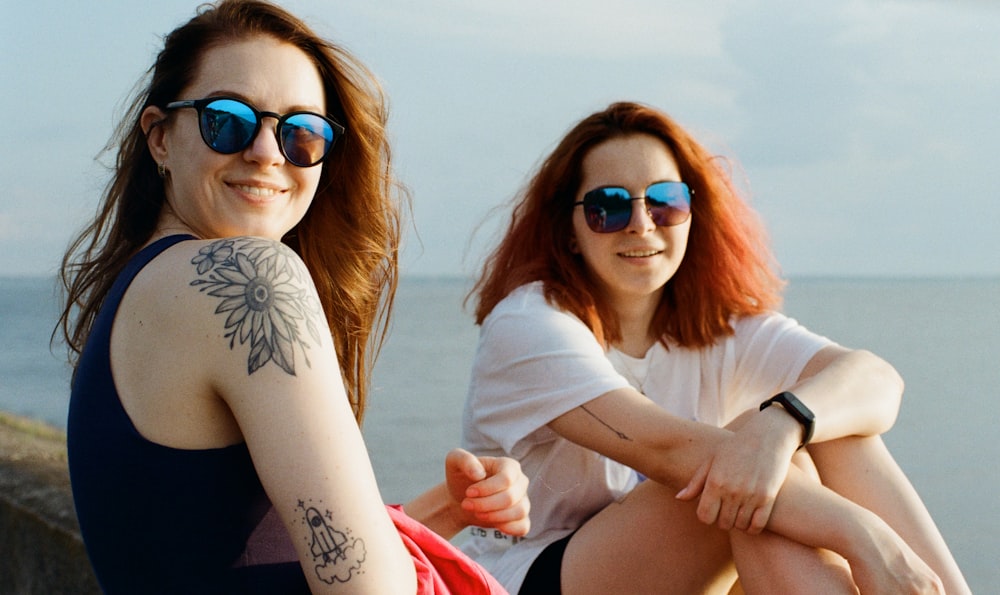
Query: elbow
<point>887,391</point>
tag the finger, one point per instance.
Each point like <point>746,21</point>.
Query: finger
<point>708,508</point>
<point>462,462</point>
<point>503,511</point>
<point>518,527</point>
<point>727,515</point>
<point>497,499</point>
<point>513,519</point>
<point>499,474</point>
<point>760,518</point>
<point>696,485</point>
<point>744,516</point>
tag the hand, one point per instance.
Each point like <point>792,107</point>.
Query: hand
<point>739,483</point>
<point>488,491</point>
<point>886,564</point>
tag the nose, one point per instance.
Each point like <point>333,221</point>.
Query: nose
<point>264,148</point>
<point>641,221</point>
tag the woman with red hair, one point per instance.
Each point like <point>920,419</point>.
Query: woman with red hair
<point>223,309</point>
<point>678,431</point>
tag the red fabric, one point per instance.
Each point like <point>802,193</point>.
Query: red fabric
<point>442,569</point>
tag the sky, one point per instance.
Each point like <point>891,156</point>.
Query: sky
<point>865,132</point>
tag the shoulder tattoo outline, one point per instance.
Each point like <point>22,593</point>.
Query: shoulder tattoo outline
<point>264,297</point>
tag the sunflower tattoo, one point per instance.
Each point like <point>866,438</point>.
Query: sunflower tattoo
<point>261,288</point>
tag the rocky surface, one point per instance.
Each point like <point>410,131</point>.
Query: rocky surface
<point>39,534</point>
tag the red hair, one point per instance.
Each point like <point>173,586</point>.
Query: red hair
<point>727,271</point>
<point>349,237</point>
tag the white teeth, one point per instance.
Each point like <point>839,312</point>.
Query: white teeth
<point>640,254</point>
<point>257,191</point>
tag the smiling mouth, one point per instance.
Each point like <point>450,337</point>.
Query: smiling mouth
<point>640,253</point>
<point>257,190</point>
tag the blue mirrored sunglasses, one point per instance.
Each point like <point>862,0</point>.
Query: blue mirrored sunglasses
<point>609,209</point>
<point>229,126</point>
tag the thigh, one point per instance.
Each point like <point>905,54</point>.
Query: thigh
<point>648,542</point>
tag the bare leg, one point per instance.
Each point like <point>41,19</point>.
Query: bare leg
<point>650,542</point>
<point>862,470</point>
<point>768,563</point>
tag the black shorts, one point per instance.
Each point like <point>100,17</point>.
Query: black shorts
<point>543,576</point>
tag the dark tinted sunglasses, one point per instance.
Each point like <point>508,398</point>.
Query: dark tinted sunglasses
<point>229,126</point>
<point>609,209</point>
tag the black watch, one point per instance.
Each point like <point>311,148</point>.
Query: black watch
<point>796,409</point>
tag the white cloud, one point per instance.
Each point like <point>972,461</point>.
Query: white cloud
<point>561,27</point>
<point>883,102</point>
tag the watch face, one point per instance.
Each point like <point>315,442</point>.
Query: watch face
<point>790,400</point>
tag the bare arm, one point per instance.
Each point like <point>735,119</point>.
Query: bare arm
<point>852,393</point>
<point>483,491</point>
<point>629,428</point>
<point>270,359</point>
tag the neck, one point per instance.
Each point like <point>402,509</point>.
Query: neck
<point>635,319</point>
<point>169,224</point>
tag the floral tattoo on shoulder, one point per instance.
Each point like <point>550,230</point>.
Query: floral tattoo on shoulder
<point>262,292</point>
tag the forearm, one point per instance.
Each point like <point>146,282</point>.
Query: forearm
<point>863,470</point>
<point>809,513</point>
<point>851,393</point>
<point>436,510</point>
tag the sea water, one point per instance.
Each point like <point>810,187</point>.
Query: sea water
<point>942,335</point>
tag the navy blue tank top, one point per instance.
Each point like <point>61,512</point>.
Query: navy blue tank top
<point>157,519</point>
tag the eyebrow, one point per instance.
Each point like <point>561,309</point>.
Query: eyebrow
<point>242,97</point>
<point>602,186</point>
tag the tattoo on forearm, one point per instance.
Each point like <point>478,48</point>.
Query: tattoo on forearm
<point>336,554</point>
<point>618,433</point>
<point>262,297</point>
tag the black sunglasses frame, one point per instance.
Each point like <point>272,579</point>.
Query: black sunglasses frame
<point>589,201</point>
<point>199,105</point>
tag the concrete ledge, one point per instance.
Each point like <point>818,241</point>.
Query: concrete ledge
<point>39,535</point>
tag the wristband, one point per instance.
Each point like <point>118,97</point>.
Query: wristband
<point>796,409</point>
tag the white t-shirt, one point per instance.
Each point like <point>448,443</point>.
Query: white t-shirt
<point>535,362</point>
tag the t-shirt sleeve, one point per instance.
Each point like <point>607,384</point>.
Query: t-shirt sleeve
<point>533,363</point>
<point>771,352</point>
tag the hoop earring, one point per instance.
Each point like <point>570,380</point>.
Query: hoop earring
<point>161,169</point>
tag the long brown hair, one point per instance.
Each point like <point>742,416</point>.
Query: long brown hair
<point>728,269</point>
<point>349,238</point>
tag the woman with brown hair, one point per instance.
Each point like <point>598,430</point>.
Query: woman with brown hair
<point>678,431</point>
<point>223,310</point>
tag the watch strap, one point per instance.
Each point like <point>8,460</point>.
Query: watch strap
<point>797,410</point>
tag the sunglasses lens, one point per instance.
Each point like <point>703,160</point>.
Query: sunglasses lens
<point>607,209</point>
<point>306,138</point>
<point>228,126</point>
<point>669,203</point>
<point>610,209</point>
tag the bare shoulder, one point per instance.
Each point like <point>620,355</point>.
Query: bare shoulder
<point>264,299</point>
<point>251,296</point>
